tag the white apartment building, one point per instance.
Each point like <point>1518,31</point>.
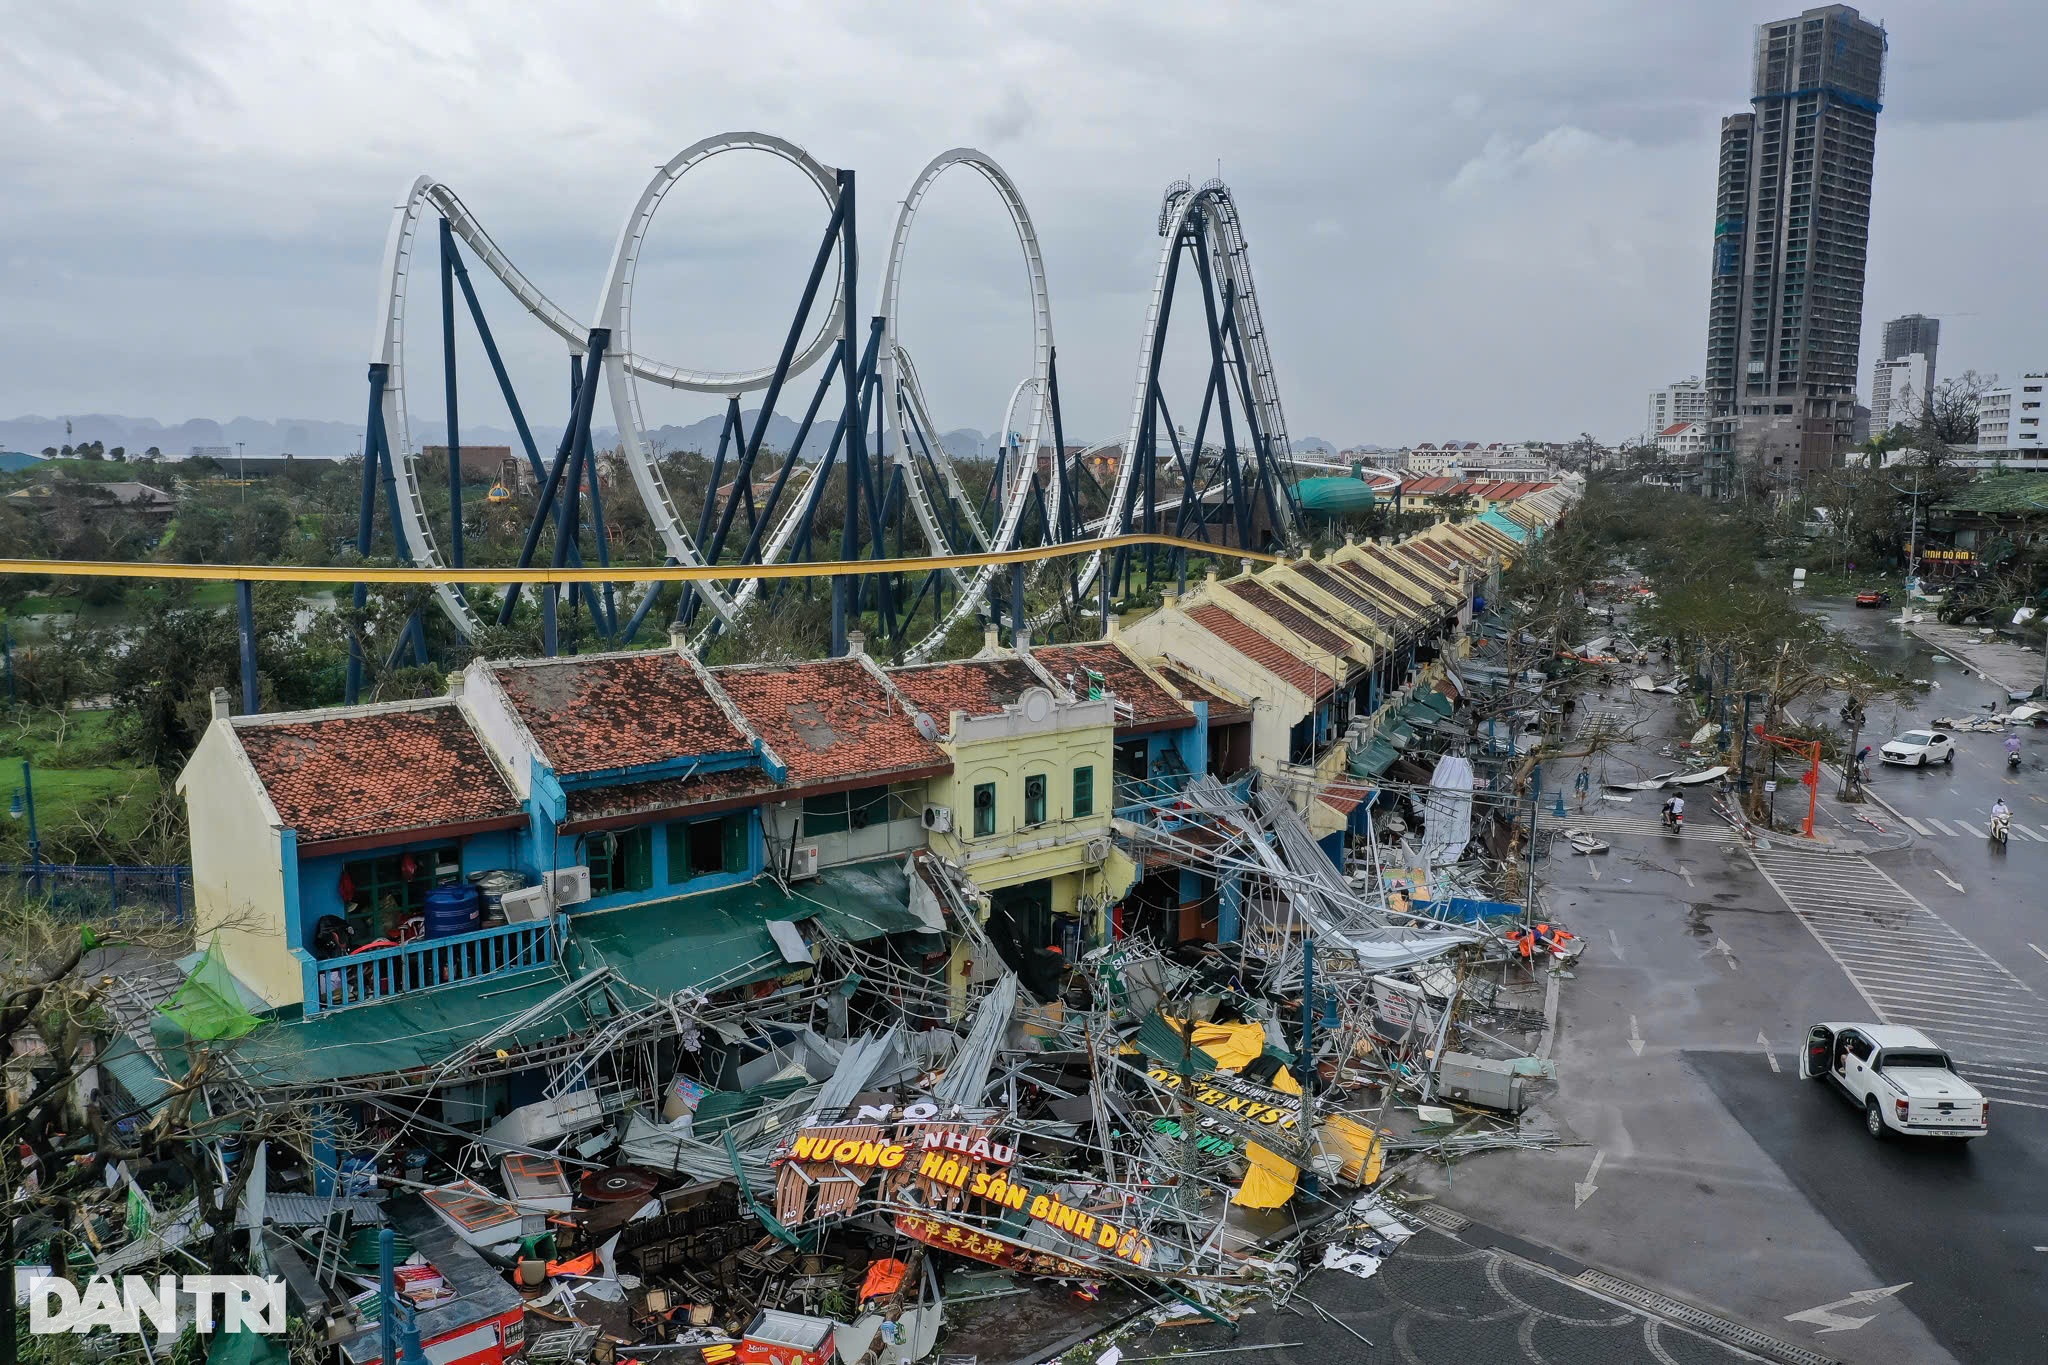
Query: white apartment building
<point>1682,440</point>
<point>1684,401</point>
<point>1430,458</point>
<point>2009,417</point>
<point>1898,392</point>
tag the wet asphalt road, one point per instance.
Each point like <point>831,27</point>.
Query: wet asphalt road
<point>1723,1178</point>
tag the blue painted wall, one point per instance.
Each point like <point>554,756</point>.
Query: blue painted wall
<point>318,888</point>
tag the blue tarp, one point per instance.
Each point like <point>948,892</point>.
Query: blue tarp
<point>1464,910</point>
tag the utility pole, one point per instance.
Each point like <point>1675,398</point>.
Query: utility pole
<point>242,471</point>
<point>1913,533</point>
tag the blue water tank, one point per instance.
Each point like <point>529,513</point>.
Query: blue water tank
<point>453,910</point>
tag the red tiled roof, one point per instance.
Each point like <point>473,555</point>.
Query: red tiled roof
<point>1675,428</point>
<point>829,720</point>
<point>1376,575</point>
<point>1150,704</point>
<point>388,772</point>
<point>1347,592</point>
<point>1264,600</point>
<point>1428,487</point>
<point>1292,595</point>
<point>1262,651</point>
<point>1343,800</point>
<point>618,710</point>
<point>1221,708</point>
<point>594,806</point>
<point>980,687</point>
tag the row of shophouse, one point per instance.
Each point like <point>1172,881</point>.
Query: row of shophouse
<point>698,829</point>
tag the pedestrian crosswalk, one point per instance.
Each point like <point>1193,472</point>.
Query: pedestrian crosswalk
<point>1952,828</point>
<point>1913,968</point>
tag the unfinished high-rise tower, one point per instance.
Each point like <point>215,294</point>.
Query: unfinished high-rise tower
<point>1791,231</point>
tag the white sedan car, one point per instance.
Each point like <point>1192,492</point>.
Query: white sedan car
<point>1918,748</point>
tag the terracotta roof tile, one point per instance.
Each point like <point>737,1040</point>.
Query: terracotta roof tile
<point>1264,600</point>
<point>829,720</point>
<point>348,776</point>
<point>1397,589</point>
<point>1150,703</point>
<point>1293,595</point>
<point>618,710</point>
<point>980,687</point>
<point>1261,650</point>
<point>1195,688</point>
<point>594,805</point>
<point>1348,593</point>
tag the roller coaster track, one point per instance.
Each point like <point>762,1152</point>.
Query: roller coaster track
<point>1204,220</point>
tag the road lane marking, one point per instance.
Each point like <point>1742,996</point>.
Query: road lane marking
<point>1826,1320</point>
<point>2039,949</point>
<point>1635,1036</point>
<point>1769,1055</point>
<point>1918,828</point>
<point>1686,873</point>
<point>1950,880</point>
<point>1969,829</point>
<point>1585,1189</point>
<point>1615,941</point>
<point>1940,826</point>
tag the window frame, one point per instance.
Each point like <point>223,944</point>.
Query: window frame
<point>976,808</point>
<point>624,844</point>
<point>1038,804</point>
<point>1084,791</point>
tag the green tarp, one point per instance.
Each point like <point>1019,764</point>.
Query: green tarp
<point>139,1077</point>
<point>1163,1043</point>
<point>207,1006</point>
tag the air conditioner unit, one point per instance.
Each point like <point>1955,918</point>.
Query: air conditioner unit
<point>1096,850</point>
<point>803,863</point>
<point>939,818</point>
<point>528,905</point>
<point>569,885</point>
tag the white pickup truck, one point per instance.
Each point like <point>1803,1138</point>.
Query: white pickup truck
<point>1901,1080</point>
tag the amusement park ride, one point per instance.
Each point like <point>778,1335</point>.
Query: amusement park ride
<point>1236,486</point>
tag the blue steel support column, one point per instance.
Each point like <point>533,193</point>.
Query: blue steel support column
<point>1017,626</point>
<point>365,523</point>
<point>448,382</point>
<point>586,397</point>
<point>686,608</point>
<point>245,618</point>
<point>1147,431</point>
<point>852,422</point>
<point>604,548</point>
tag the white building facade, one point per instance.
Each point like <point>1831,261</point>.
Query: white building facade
<point>2009,417</point>
<point>1682,440</point>
<point>1898,392</point>
<point>1684,401</point>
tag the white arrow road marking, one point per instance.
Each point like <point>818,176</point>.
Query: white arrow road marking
<point>1585,1189</point>
<point>1769,1055</point>
<point>1635,1037</point>
<point>1592,867</point>
<point>1950,880</point>
<point>1621,956</point>
<point>1827,1320</point>
<point>1721,947</point>
<point>1686,873</point>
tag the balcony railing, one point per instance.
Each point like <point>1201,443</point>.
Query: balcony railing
<point>1135,794</point>
<point>380,973</point>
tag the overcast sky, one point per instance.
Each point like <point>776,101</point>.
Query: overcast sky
<point>1474,220</point>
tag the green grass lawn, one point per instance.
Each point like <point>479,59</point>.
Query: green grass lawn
<point>71,771</point>
<point>215,595</point>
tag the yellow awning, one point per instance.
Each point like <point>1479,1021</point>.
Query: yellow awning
<point>1268,1179</point>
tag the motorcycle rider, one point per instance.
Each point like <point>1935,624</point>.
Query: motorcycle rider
<point>1674,812</point>
<point>2001,818</point>
<point>2012,750</point>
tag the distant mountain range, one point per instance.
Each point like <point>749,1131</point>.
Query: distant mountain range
<point>333,440</point>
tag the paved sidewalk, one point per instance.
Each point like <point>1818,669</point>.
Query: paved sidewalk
<point>2009,665</point>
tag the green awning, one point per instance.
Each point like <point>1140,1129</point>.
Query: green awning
<point>717,939</point>
<point>720,939</point>
<point>419,1029</point>
<point>720,1109</point>
<point>1374,759</point>
<point>1432,704</point>
<point>1163,1043</point>
<point>139,1077</point>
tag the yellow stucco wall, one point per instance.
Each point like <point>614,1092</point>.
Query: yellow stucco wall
<point>237,860</point>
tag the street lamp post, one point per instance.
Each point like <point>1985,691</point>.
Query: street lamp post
<point>35,843</point>
<point>242,471</point>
